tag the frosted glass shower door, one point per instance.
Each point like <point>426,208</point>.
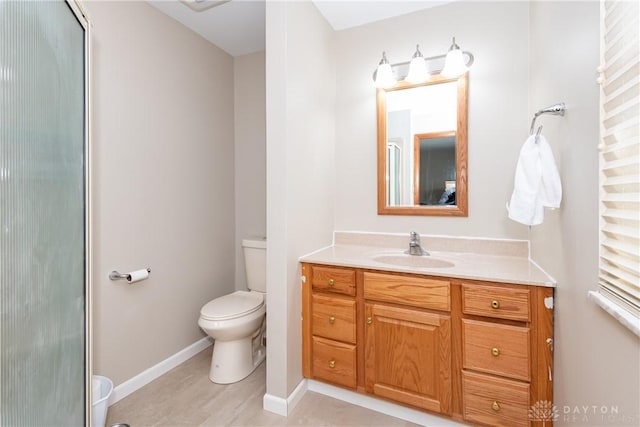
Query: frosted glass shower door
<point>42,215</point>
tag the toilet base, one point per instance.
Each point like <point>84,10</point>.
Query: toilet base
<point>233,361</point>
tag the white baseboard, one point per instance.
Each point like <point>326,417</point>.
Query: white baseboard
<point>275,404</point>
<point>296,395</point>
<point>282,406</point>
<point>381,406</point>
<point>145,377</point>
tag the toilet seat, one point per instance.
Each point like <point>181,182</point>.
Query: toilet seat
<point>232,306</point>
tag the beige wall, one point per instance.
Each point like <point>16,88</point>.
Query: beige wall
<point>300,73</point>
<point>497,34</point>
<point>250,154</point>
<point>597,360</point>
<point>163,153</point>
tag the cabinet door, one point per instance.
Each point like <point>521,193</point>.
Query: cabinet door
<point>408,356</point>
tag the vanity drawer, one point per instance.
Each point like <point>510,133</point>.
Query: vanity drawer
<point>492,301</point>
<point>334,318</point>
<point>496,349</point>
<point>334,279</point>
<point>407,290</point>
<point>495,401</point>
<point>334,362</point>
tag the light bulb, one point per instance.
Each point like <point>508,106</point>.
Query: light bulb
<point>384,74</point>
<point>454,63</point>
<point>417,68</point>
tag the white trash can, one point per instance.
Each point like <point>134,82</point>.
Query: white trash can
<point>102,389</point>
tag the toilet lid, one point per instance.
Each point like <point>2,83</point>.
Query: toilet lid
<point>231,306</point>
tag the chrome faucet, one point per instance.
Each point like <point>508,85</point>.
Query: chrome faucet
<point>414,245</point>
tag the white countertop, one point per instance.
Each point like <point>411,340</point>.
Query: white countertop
<point>475,259</point>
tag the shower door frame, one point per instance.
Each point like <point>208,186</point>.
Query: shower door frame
<point>76,8</point>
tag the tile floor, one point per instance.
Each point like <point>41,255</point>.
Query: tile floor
<point>184,396</point>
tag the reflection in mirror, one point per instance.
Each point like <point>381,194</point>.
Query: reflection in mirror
<point>422,148</point>
<point>394,157</point>
<point>434,169</point>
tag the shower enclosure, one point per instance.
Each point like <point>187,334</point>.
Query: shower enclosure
<point>44,233</point>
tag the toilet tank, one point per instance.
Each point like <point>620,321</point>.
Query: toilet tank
<point>255,263</point>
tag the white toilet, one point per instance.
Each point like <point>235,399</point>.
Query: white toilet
<point>237,321</point>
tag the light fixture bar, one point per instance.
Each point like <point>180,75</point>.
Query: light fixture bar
<point>401,69</point>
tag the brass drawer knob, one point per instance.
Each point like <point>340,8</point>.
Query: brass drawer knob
<point>368,320</point>
<point>495,304</point>
<point>495,406</point>
<point>331,282</point>
<point>495,351</point>
<point>332,364</point>
<point>332,320</point>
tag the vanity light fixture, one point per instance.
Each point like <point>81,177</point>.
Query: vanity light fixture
<point>454,63</point>
<point>384,75</point>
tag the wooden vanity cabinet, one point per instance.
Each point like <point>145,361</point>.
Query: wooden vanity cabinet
<point>507,344</point>
<point>474,351</point>
<point>329,323</point>
<point>408,346</point>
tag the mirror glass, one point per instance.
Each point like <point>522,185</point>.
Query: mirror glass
<point>422,148</point>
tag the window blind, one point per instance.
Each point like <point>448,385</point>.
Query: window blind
<point>619,160</point>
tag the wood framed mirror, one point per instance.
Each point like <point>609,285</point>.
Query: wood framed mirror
<point>422,148</point>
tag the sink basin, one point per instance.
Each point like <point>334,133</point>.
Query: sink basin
<point>413,261</point>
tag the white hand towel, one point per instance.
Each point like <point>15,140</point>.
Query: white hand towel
<point>537,183</point>
<point>551,186</point>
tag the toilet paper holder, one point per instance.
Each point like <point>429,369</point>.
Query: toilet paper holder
<point>114,275</point>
